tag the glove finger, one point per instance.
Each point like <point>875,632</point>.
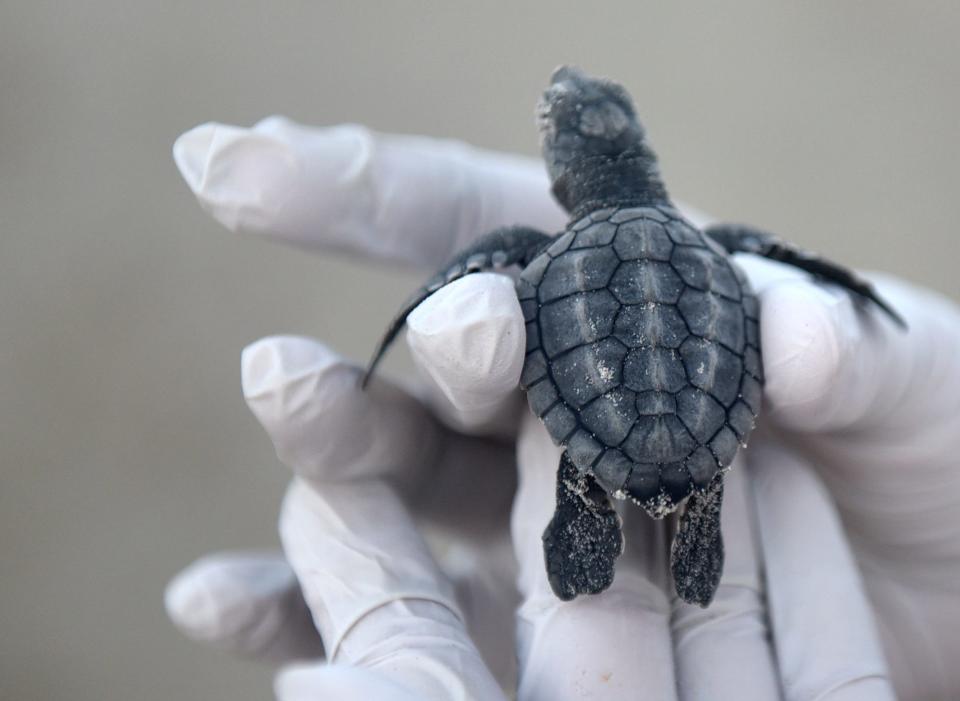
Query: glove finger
<point>247,603</point>
<point>318,681</point>
<point>823,626</point>
<point>818,345</point>
<point>880,400</point>
<point>468,341</point>
<point>723,651</point>
<point>328,430</point>
<point>322,425</point>
<point>399,198</point>
<point>376,594</point>
<point>612,645</point>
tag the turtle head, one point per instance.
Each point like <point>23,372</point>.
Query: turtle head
<point>594,145</point>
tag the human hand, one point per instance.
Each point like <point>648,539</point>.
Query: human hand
<point>876,411</point>
<point>626,623</point>
<point>388,618</point>
<point>343,443</point>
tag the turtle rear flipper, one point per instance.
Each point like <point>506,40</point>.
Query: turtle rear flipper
<point>583,540</point>
<point>512,245</point>
<point>745,239</point>
<point>696,558</point>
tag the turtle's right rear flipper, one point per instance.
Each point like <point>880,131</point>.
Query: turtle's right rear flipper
<point>696,558</point>
<point>513,245</point>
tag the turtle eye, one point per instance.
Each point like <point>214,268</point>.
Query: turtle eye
<point>606,120</point>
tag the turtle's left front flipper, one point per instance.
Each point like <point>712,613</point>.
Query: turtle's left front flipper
<point>696,558</point>
<point>745,239</point>
<point>501,248</point>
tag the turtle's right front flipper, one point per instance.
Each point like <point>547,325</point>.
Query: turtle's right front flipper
<point>583,540</point>
<point>736,238</point>
<point>512,245</point>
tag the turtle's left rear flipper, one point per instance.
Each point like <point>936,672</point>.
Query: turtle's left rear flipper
<point>696,558</point>
<point>745,239</point>
<point>583,540</point>
<point>511,245</point>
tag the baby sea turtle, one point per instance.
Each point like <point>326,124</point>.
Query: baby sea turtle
<point>643,348</point>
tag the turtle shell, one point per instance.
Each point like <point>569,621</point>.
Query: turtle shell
<point>643,354</point>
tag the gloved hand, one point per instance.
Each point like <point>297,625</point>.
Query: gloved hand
<point>848,398</point>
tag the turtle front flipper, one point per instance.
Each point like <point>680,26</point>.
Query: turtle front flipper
<point>745,239</point>
<point>696,558</point>
<point>511,245</point>
<point>583,540</point>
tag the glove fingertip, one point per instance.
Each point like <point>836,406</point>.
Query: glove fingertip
<point>269,364</point>
<point>190,607</point>
<point>191,154</point>
<point>218,596</point>
<point>240,176</point>
<point>469,339</point>
<point>807,334</point>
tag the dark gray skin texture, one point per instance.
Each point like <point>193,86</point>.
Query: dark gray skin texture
<point>643,348</point>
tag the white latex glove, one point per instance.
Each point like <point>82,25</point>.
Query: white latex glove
<point>869,407</point>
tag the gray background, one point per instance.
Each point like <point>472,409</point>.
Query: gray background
<point>126,447</point>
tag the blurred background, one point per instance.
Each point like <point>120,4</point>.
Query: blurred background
<point>126,450</point>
